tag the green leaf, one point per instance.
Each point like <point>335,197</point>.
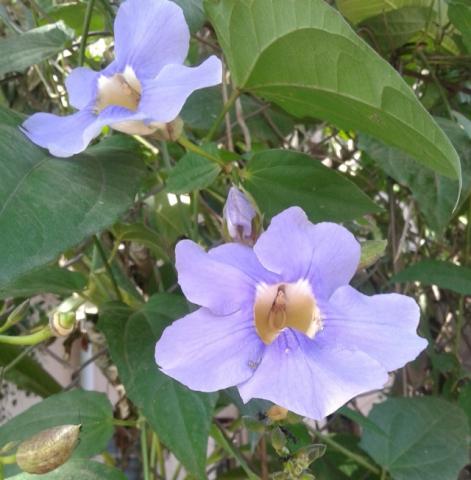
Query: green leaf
<point>27,374</point>
<point>332,74</point>
<point>426,438</point>
<point>73,16</point>
<point>435,194</point>
<point>192,172</point>
<point>391,30</point>
<point>52,204</point>
<point>18,52</point>
<point>371,252</point>
<point>181,417</point>
<point>464,400</point>
<point>194,13</point>
<point>279,179</point>
<point>459,12</point>
<point>90,409</point>
<point>358,10</point>
<point>77,470</point>
<point>50,279</point>
<point>434,272</point>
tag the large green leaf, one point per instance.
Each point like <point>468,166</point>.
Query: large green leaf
<point>194,13</point>
<point>358,10</point>
<point>434,193</point>
<point>49,279</point>
<point>90,409</point>
<point>392,29</point>
<point>302,55</point>
<point>27,374</point>
<point>48,205</point>
<point>17,52</point>
<point>180,417</point>
<point>278,179</point>
<point>77,470</point>
<point>459,12</point>
<point>426,438</point>
<point>434,272</point>
<point>192,172</point>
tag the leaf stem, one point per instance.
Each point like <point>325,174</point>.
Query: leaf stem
<point>223,441</point>
<point>144,452</point>
<point>191,147</point>
<point>85,29</point>
<point>32,339</point>
<point>8,460</point>
<point>160,457</point>
<point>125,423</point>
<point>340,448</point>
<point>102,254</point>
<point>227,106</point>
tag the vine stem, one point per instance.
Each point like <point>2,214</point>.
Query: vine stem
<point>85,29</point>
<point>32,339</point>
<point>102,254</point>
<point>460,319</point>
<point>227,106</point>
<point>340,448</point>
<point>191,147</point>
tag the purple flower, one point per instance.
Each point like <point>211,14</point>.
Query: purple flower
<point>145,86</point>
<point>281,322</point>
<point>238,214</point>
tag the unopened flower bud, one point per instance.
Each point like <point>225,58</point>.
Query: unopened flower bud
<point>239,214</point>
<point>16,316</point>
<point>48,449</point>
<point>170,132</point>
<point>277,413</point>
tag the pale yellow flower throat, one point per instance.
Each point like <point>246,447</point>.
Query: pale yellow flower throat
<point>285,305</point>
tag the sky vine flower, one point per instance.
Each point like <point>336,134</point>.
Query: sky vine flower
<point>238,215</point>
<point>280,321</point>
<point>145,86</point>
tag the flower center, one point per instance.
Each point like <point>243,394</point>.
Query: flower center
<point>121,90</point>
<point>285,305</point>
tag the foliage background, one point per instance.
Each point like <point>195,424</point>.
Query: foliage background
<point>315,117</point>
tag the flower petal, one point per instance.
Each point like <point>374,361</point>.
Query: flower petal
<point>211,283</point>
<point>302,375</point>
<point>150,34</point>
<point>325,253</point>
<point>243,258</point>
<point>68,135</point>
<point>62,136</point>
<point>335,258</point>
<point>81,86</point>
<point>163,98</point>
<point>285,248</point>
<point>382,326</point>
<point>207,352</point>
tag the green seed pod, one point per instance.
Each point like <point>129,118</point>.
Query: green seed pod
<point>307,455</point>
<point>48,449</point>
<point>278,440</point>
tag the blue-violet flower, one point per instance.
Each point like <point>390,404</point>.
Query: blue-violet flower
<point>280,321</point>
<point>144,88</point>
